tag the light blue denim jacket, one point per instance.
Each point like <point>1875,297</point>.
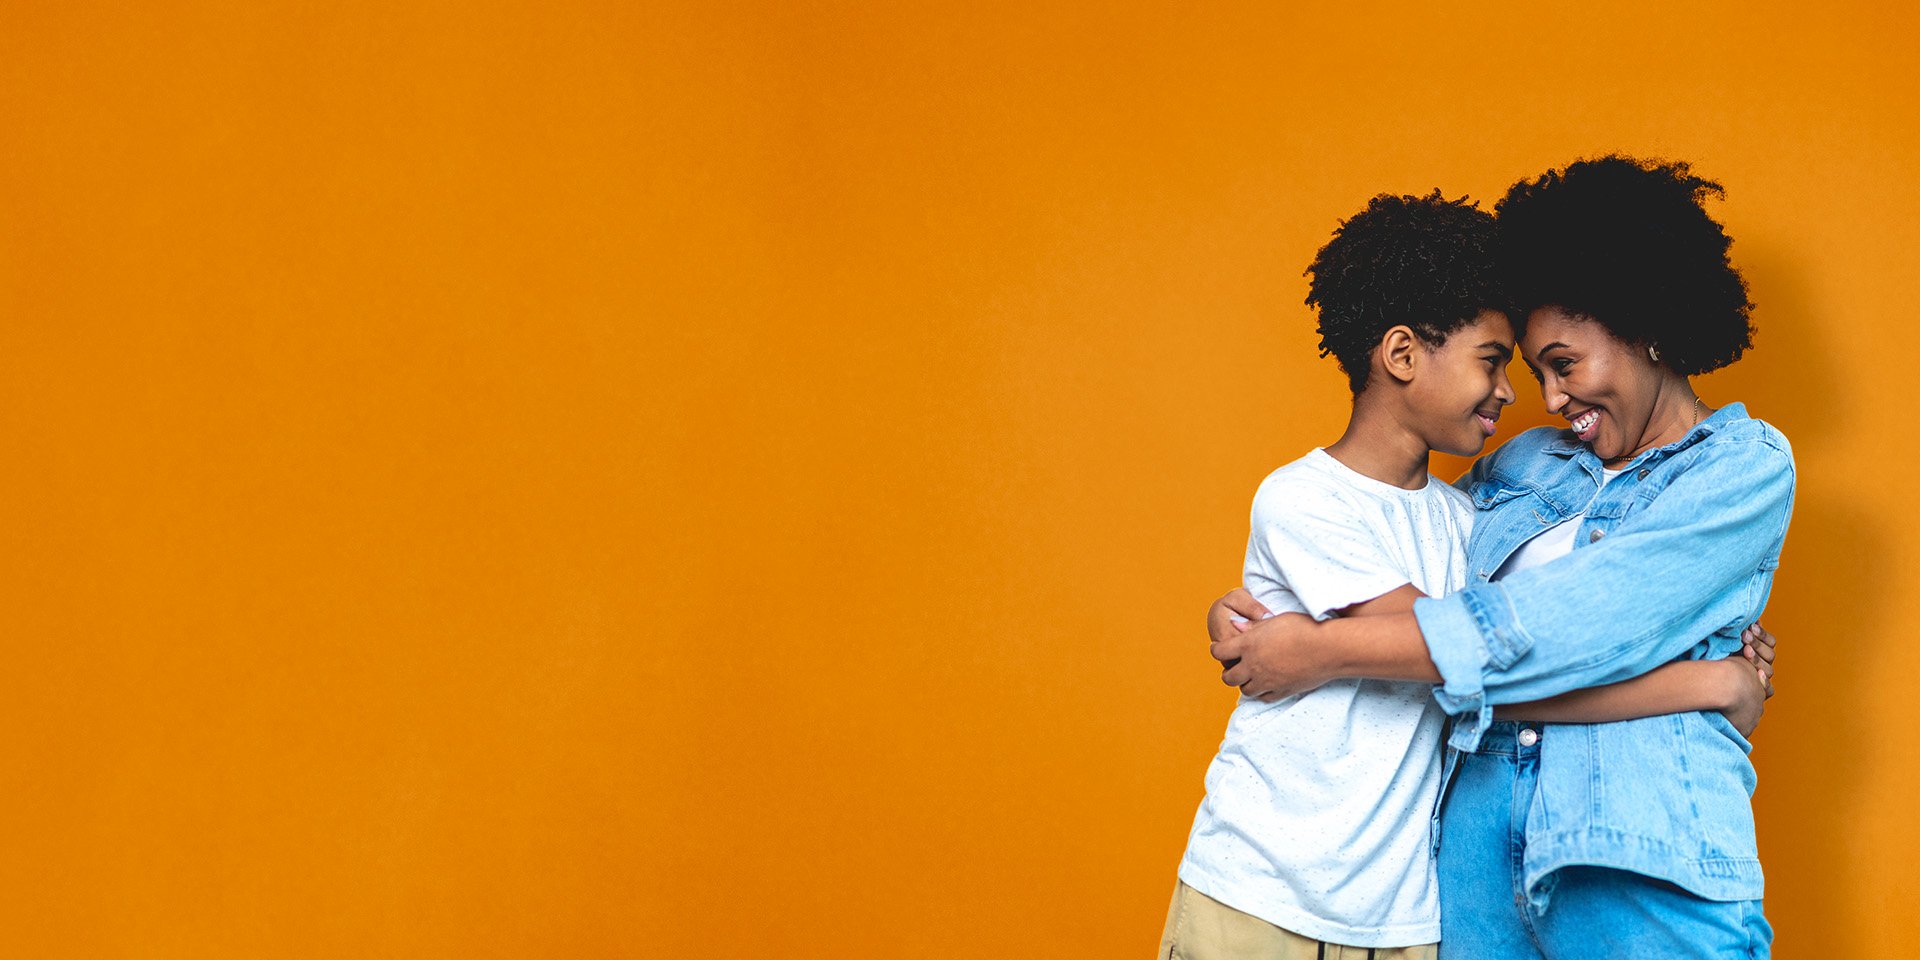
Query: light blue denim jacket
<point>1680,546</point>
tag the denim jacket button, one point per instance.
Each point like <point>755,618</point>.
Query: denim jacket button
<point>1595,536</point>
<point>1644,473</point>
<point>1529,737</point>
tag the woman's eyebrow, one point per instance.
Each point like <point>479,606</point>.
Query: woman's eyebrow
<point>1550,346</point>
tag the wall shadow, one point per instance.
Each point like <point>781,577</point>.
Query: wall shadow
<point>1812,773</point>
<point>1812,770</point>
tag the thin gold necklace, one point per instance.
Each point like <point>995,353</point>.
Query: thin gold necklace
<point>1699,415</point>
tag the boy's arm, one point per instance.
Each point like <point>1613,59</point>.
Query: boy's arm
<point>1737,687</point>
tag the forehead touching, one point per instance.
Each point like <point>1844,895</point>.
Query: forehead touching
<point>1551,328</point>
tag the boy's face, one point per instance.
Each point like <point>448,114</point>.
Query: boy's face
<point>1458,392</point>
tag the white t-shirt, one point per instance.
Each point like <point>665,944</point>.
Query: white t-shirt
<point>1318,807</point>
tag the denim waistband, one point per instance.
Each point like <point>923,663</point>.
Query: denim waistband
<point>1503,738</point>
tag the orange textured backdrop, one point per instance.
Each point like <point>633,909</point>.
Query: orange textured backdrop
<point>515,479</point>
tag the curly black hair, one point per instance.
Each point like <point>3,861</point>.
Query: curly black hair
<point>1426,262</point>
<point>1626,242</point>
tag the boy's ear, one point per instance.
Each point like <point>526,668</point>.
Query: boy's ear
<point>1399,348</point>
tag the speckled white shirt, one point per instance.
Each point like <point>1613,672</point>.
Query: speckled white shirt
<point>1318,806</point>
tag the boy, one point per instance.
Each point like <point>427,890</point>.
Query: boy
<point>1315,837</point>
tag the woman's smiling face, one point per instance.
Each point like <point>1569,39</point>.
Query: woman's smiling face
<point>1605,387</point>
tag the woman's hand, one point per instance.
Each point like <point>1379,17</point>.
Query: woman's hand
<point>1271,659</point>
<point>1229,615</point>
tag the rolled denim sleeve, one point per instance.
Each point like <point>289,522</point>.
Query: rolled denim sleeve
<point>1663,578</point>
<point>1453,640</point>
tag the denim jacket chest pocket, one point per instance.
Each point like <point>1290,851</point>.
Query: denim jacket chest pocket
<point>1626,494</point>
<point>1509,513</point>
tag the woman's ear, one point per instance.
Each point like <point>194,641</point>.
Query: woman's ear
<point>1398,348</point>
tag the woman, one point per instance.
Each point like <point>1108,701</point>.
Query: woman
<point>1599,552</point>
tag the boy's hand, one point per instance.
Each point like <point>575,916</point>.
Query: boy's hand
<point>1270,659</point>
<point>1758,648</point>
<point>1747,696</point>
<point>1753,680</point>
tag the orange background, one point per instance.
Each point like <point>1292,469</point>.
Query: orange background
<point>513,479</point>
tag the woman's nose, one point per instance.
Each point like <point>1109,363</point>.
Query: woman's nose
<point>1555,398</point>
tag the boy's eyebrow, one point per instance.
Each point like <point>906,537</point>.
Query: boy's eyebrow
<point>1505,351</point>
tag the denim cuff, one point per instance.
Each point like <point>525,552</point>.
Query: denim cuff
<point>1458,651</point>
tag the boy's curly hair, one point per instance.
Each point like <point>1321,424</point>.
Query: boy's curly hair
<point>1426,262</point>
<point>1626,242</point>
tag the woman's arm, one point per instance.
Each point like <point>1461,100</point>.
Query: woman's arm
<point>1234,613</point>
<point>1661,579</point>
<point>1292,653</point>
<point>1237,607</point>
<point>1737,688</point>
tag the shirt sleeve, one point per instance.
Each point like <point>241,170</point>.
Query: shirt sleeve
<point>1319,546</point>
<point>1673,572</point>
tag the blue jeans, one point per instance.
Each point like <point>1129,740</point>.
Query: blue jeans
<point>1592,912</point>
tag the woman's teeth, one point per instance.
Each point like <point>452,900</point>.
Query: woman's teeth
<point>1486,423</point>
<point>1583,424</point>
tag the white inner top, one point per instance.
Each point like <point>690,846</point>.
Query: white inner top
<point>1550,544</point>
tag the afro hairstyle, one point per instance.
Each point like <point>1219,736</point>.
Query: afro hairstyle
<point>1627,243</point>
<point>1425,262</point>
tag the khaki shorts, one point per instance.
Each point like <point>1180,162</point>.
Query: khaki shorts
<point>1202,928</point>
